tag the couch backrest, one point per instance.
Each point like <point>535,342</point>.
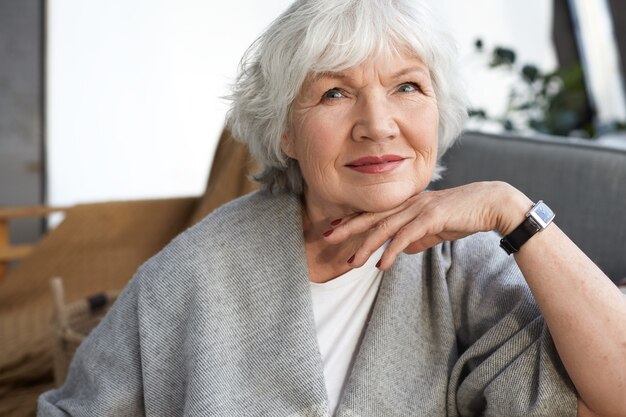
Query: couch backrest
<point>584,183</point>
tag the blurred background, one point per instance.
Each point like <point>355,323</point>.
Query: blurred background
<point>116,100</point>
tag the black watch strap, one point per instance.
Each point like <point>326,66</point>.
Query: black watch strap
<point>537,219</point>
<point>512,242</point>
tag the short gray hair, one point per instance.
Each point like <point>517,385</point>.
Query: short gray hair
<point>315,36</point>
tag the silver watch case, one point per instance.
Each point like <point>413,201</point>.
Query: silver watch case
<point>541,215</point>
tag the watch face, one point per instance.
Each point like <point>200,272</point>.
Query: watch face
<point>542,214</point>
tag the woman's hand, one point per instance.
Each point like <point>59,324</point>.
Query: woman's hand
<point>429,218</point>
<point>582,307</point>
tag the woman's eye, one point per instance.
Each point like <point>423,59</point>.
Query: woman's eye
<point>333,94</point>
<point>408,88</point>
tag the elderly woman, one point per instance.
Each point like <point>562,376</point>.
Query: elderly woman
<point>343,288</point>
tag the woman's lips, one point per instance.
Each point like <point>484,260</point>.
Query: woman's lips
<point>375,164</point>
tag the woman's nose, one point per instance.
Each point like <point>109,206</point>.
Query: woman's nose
<point>374,120</point>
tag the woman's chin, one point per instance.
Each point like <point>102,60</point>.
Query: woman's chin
<point>385,199</point>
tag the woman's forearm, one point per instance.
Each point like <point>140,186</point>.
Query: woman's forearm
<point>584,310</point>
<point>586,315</point>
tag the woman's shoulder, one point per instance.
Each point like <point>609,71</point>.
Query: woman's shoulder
<point>254,207</point>
<point>239,220</point>
<point>241,228</point>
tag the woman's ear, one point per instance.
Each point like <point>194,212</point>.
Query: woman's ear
<point>286,145</point>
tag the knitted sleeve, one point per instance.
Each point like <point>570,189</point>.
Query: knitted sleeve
<point>104,378</point>
<point>508,365</point>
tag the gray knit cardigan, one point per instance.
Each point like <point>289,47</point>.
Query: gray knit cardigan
<point>220,323</point>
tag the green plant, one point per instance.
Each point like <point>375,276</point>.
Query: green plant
<point>554,103</point>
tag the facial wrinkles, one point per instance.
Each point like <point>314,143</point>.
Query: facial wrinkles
<point>427,152</point>
<point>321,131</point>
<point>306,149</point>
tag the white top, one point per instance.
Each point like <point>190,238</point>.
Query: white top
<point>341,308</point>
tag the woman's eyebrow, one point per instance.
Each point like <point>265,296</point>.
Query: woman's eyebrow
<point>330,74</point>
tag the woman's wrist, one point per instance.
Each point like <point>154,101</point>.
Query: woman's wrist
<point>510,206</point>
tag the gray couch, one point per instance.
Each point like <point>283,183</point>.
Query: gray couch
<point>583,182</point>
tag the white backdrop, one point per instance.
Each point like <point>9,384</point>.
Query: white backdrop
<point>133,99</point>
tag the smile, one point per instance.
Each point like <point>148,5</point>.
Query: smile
<point>376,164</point>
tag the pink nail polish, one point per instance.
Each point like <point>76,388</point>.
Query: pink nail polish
<point>351,259</point>
<point>327,233</point>
<point>335,222</point>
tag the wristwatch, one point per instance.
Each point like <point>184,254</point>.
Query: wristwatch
<point>537,219</point>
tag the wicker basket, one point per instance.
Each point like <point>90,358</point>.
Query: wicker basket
<point>73,322</point>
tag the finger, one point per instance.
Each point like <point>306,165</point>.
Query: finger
<point>387,260</point>
<point>383,231</point>
<point>332,225</point>
<point>414,237</point>
<point>359,224</point>
<point>351,227</point>
<point>342,220</point>
<point>419,245</point>
<point>424,243</point>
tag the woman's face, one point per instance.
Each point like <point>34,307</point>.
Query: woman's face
<point>365,138</point>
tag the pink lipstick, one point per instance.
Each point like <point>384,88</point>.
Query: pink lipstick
<point>376,164</point>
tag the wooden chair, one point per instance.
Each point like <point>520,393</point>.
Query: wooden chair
<point>96,249</point>
<point>10,253</point>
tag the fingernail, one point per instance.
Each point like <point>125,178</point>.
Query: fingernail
<point>351,259</point>
<point>378,263</point>
<point>335,222</point>
<point>328,233</point>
